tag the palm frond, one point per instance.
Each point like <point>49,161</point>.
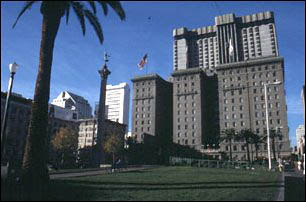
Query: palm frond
<point>79,11</point>
<point>104,7</point>
<point>116,5</point>
<point>93,6</point>
<point>95,23</point>
<point>27,5</point>
<point>67,13</point>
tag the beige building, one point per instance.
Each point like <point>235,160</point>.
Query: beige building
<point>87,129</point>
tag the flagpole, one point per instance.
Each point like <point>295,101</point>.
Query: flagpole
<point>147,64</point>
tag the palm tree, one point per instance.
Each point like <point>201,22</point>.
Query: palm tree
<point>246,135</point>
<point>228,135</point>
<point>35,172</point>
<point>273,135</point>
<point>256,139</point>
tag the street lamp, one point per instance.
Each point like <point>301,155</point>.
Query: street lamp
<point>13,68</point>
<point>267,120</point>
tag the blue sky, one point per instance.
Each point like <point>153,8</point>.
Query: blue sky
<point>76,58</point>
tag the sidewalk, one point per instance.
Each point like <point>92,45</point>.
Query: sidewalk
<point>294,186</point>
<point>98,172</point>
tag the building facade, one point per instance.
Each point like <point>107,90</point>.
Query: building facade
<point>74,102</point>
<point>64,113</point>
<point>243,52</point>
<point>152,107</point>
<point>195,108</point>
<point>247,37</point>
<point>300,140</point>
<point>117,103</point>
<point>17,126</point>
<point>87,129</point>
<point>242,102</point>
<point>303,100</point>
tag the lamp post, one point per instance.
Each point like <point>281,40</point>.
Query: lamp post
<point>13,68</point>
<point>267,120</point>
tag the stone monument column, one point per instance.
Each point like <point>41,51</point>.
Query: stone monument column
<point>104,72</point>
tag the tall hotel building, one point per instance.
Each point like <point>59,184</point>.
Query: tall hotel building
<point>244,54</point>
<point>152,107</point>
<point>117,103</point>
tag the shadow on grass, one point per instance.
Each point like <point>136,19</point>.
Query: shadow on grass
<point>122,186</point>
<point>76,190</point>
<point>167,184</point>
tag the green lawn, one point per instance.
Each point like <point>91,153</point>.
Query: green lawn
<point>169,183</point>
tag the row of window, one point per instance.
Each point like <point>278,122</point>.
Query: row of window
<point>185,141</point>
<point>186,112</point>
<point>242,123</point>
<point>143,109</point>
<point>193,134</point>
<point>142,122</point>
<point>148,101</point>
<point>179,105</point>
<point>241,108</point>
<point>142,115</point>
<point>263,114</point>
<point>253,69</point>
<point>143,83</point>
<point>142,129</point>
<point>186,127</point>
<point>243,148</point>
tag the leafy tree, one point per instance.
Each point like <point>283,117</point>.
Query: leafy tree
<point>85,158</point>
<point>35,172</point>
<point>113,145</point>
<point>228,135</point>
<point>65,144</point>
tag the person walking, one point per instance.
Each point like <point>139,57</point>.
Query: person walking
<point>299,165</point>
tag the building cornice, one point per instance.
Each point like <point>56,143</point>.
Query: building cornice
<point>247,63</point>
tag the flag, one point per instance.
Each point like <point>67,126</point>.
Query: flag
<point>231,48</point>
<point>142,62</point>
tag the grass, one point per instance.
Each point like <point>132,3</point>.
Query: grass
<point>169,183</point>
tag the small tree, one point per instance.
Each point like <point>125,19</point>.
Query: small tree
<point>85,157</point>
<point>65,144</point>
<point>113,145</point>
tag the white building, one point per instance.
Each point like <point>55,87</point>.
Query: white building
<point>300,139</point>
<point>75,102</point>
<point>117,103</point>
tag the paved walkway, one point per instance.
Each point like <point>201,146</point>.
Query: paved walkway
<point>293,186</point>
<point>98,172</point>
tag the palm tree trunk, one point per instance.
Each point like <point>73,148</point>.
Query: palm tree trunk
<point>273,148</point>
<point>252,153</point>
<point>256,151</point>
<point>35,172</point>
<point>248,151</point>
<point>231,157</point>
